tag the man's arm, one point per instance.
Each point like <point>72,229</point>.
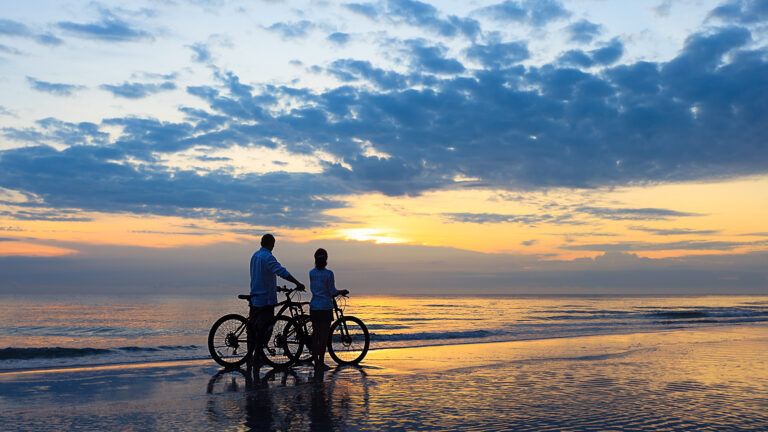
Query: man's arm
<point>292,279</point>
<point>281,271</point>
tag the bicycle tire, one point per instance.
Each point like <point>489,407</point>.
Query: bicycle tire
<point>348,340</point>
<point>225,346</point>
<point>281,345</point>
<point>306,334</point>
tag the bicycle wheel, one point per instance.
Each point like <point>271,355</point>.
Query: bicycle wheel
<point>306,338</point>
<point>281,345</point>
<point>228,340</point>
<point>348,341</point>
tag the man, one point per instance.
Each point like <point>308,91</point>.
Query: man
<point>264,272</point>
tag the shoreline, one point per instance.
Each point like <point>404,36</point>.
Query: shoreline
<point>372,353</point>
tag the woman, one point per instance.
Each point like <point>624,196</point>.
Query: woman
<point>323,287</point>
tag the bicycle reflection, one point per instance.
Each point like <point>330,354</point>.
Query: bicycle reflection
<point>288,399</point>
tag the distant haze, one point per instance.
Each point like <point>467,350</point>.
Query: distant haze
<point>368,268</point>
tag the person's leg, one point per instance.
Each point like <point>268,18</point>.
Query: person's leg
<point>259,319</point>
<point>321,324</point>
<point>322,343</point>
<point>253,313</point>
<point>315,337</point>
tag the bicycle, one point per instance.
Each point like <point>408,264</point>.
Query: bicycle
<point>348,337</point>
<point>228,337</point>
<point>283,343</point>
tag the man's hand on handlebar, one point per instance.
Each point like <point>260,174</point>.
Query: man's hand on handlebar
<point>343,293</point>
<point>299,286</point>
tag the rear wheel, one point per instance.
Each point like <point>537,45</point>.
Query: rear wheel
<point>228,340</point>
<point>281,346</point>
<point>306,337</point>
<point>348,341</point>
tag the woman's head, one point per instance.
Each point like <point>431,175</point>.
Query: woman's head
<point>321,258</point>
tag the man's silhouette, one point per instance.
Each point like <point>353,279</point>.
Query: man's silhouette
<point>264,272</point>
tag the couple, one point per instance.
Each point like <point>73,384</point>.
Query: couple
<point>264,272</point>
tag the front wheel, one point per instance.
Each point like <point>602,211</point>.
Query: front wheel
<point>348,341</point>
<point>228,340</point>
<point>281,345</point>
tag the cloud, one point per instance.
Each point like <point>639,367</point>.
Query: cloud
<point>13,28</point>
<point>339,38</point>
<point>633,213</point>
<point>510,126</point>
<point>674,231</point>
<point>201,53</point>
<point>498,54</point>
<point>432,58</point>
<point>292,30</point>
<point>18,29</point>
<point>4,49</point>
<point>50,215</point>
<point>663,8</point>
<point>370,10</point>
<point>418,14</point>
<point>108,28</point>
<point>349,70</point>
<point>58,89</point>
<point>6,112</point>
<point>59,132</point>
<point>583,31</point>
<point>741,11</point>
<point>135,90</point>
<point>91,178</point>
<point>533,12</point>
<point>525,219</point>
<point>608,54</point>
<point>206,158</point>
<point>679,245</point>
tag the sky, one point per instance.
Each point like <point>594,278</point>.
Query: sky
<point>513,147</point>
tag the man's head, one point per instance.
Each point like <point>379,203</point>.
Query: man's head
<point>268,241</point>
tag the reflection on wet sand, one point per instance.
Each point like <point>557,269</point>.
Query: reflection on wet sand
<point>300,398</point>
<point>708,379</point>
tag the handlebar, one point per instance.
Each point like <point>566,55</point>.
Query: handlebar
<point>283,289</point>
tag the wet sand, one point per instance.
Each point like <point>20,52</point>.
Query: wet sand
<point>705,379</point>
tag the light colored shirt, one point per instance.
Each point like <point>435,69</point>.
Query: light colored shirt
<point>323,287</point>
<point>264,272</point>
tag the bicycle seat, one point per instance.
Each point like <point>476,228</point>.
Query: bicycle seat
<point>244,296</point>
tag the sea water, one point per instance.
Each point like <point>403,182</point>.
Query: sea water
<point>46,331</point>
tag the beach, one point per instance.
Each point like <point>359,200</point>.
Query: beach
<point>708,378</point>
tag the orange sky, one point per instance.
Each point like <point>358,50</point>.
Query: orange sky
<point>731,209</point>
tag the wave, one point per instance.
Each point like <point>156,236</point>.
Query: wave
<point>684,314</point>
<point>61,352</point>
<point>656,313</point>
<point>470,334</point>
<point>387,327</point>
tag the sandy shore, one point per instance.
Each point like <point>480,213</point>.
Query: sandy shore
<point>705,379</point>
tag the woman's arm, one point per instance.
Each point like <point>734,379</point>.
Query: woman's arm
<point>334,292</point>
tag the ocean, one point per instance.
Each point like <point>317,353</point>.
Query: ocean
<point>56,331</point>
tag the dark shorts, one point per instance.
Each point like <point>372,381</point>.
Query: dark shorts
<point>259,317</point>
<point>321,317</point>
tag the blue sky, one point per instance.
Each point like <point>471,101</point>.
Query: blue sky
<point>286,116</point>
